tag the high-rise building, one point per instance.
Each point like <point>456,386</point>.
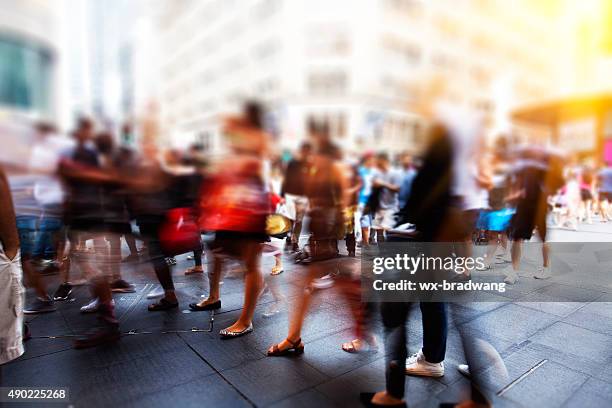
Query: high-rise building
<point>356,65</point>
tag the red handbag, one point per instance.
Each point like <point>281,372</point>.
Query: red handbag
<point>233,203</point>
<point>179,233</point>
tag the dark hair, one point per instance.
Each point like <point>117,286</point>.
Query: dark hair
<point>45,127</point>
<point>84,122</point>
<point>104,142</point>
<point>382,156</point>
<point>254,113</point>
<point>306,146</point>
<point>318,127</point>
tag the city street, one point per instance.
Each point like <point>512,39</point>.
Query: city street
<point>556,354</point>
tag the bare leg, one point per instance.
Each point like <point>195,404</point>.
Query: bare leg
<point>589,211</point>
<point>516,253</point>
<point>491,248</point>
<point>301,308</point>
<point>365,236</point>
<point>300,210</point>
<point>33,278</point>
<point>545,254</point>
<point>503,240</point>
<point>278,264</point>
<point>253,284</point>
<point>214,279</point>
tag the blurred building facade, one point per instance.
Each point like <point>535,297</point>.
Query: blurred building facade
<point>30,85</point>
<point>578,119</point>
<point>355,65</point>
<point>29,46</point>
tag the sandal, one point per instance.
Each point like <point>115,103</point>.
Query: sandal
<point>351,347</point>
<point>193,270</point>
<point>163,304</point>
<point>297,347</point>
<point>229,334</point>
<point>277,270</point>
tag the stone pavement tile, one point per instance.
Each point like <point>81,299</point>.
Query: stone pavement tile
<point>569,293</point>
<point>130,369</point>
<point>209,391</point>
<point>173,319</point>
<point>596,316</point>
<point>455,354</point>
<point>548,386</point>
<point>344,390</point>
<point>549,304</point>
<point>49,324</point>
<point>457,391</point>
<point>160,349</point>
<point>273,378</point>
<point>511,322</point>
<point>593,394</point>
<point>493,301</point>
<point>306,399</point>
<point>40,347</point>
<point>461,313</point>
<point>525,285</point>
<point>575,340</point>
<point>501,345</point>
<point>496,375</point>
<point>327,356</point>
<point>580,363</point>
<point>605,374</point>
<point>222,354</point>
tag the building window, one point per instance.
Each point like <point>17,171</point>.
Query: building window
<point>25,75</point>
<point>327,40</point>
<point>335,122</point>
<point>332,83</point>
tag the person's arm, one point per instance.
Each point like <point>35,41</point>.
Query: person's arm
<point>8,229</point>
<point>69,169</point>
<point>376,182</point>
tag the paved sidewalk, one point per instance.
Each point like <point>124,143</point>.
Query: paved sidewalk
<point>569,343</point>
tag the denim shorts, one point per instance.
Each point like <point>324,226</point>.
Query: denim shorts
<point>36,234</point>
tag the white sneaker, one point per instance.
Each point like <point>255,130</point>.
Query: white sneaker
<point>542,273</point>
<point>417,365</point>
<point>504,257</point>
<point>92,306</point>
<point>511,277</point>
<point>272,310</point>
<point>156,293</point>
<point>325,282</point>
<point>464,369</point>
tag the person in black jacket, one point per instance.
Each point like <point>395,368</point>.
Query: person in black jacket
<point>292,191</point>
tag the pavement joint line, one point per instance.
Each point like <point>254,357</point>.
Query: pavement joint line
<point>134,332</point>
<point>521,378</point>
<point>218,372</point>
<point>145,291</point>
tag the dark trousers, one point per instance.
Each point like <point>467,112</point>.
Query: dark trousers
<point>149,226</point>
<point>435,330</point>
<point>394,317</point>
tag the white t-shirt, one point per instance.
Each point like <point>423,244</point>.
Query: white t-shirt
<point>44,161</point>
<point>465,131</point>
